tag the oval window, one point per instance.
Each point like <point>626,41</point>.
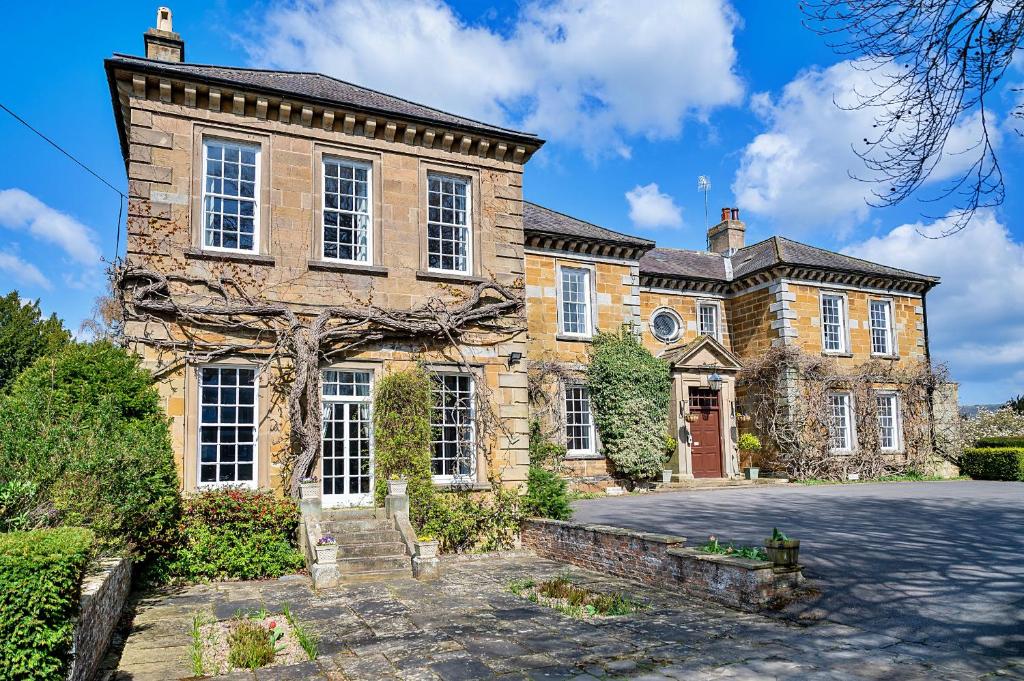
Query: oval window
<point>665,325</point>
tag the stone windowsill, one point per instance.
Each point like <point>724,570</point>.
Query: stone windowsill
<point>450,277</point>
<point>574,339</point>
<point>462,486</point>
<point>826,353</point>
<point>245,258</point>
<point>874,356</point>
<point>591,456</point>
<point>347,268</point>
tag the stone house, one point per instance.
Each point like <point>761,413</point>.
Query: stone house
<point>266,206</point>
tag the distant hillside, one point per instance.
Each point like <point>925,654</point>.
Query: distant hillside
<point>969,410</point>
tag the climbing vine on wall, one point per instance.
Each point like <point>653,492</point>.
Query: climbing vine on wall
<point>785,392</point>
<point>630,392</point>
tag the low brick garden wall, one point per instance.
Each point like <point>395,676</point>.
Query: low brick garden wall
<point>662,561</point>
<point>104,593</point>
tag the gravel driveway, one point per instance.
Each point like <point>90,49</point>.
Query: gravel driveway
<point>934,563</point>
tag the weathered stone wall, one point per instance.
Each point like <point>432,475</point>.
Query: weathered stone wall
<point>166,135</point>
<point>685,305</point>
<point>750,323</point>
<point>103,597</point>
<point>662,561</point>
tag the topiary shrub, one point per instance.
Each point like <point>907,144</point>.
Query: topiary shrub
<point>233,534</point>
<point>992,463</point>
<point>1000,441</point>
<point>630,394</point>
<point>40,579</point>
<point>83,441</point>
<point>402,403</point>
<point>547,495</point>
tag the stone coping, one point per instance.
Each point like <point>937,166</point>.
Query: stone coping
<point>347,267</point>
<point>734,561</point>
<point>653,537</point>
<point>456,558</point>
<point>247,258</point>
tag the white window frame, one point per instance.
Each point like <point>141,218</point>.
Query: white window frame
<point>844,324</point>
<point>890,336</point>
<point>675,316</point>
<point>591,431</point>
<point>468,182</point>
<point>250,484</point>
<point>471,476</point>
<point>849,430</point>
<point>368,167</point>
<point>255,198</point>
<point>588,302</point>
<point>897,420</point>
<point>717,312</point>
<point>354,499</point>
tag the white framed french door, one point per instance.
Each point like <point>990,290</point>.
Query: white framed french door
<point>346,452</point>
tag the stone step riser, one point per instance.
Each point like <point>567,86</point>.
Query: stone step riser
<point>381,537</point>
<point>379,549</point>
<point>336,514</point>
<point>350,526</point>
<point>348,566</point>
<point>375,576</point>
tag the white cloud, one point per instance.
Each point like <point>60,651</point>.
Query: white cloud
<point>799,170</point>
<point>592,72</point>
<point>649,207</point>
<point>976,315</point>
<point>22,272</point>
<point>20,210</point>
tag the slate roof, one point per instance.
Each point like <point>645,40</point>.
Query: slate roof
<point>318,87</point>
<point>683,263</point>
<point>540,220</point>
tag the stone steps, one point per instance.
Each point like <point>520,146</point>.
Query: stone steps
<point>360,565</point>
<point>717,483</point>
<point>372,537</point>
<point>344,514</point>
<point>369,546</point>
<point>355,550</point>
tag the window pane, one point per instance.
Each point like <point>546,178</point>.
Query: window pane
<point>840,434</point>
<point>575,287</point>
<point>230,194</point>
<point>881,327</point>
<point>578,424</point>
<point>833,323</point>
<point>888,429</point>
<point>227,432</point>
<point>346,453</point>
<point>708,319</point>
<point>346,217</point>
<point>448,224</point>
<point>453,448</point>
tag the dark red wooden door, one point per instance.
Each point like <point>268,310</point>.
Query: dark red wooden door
<point>707,433</point>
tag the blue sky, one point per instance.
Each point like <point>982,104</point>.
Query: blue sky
<point>635,106</point>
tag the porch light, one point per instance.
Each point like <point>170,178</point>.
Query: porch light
<point>715,381</point>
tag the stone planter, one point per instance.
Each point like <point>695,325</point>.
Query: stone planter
<point>427,549</point>
<point>397,487</point>
<point>327,553</point>
<point>751,473</point>
<point>666,475</point>
<point>783,553</point>
<point>309,490</point>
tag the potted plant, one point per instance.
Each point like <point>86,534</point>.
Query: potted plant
<point>327,549</point>
<point>748,444</point>
<point>397,487</point>
<point>691,417</point>
<point>426,546</point>
<point>671,446</point>
<point>781,550</point>
<point>309,487</point>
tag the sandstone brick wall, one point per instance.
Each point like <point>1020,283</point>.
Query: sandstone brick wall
<point>750,323</point>
<point>908,320</point>
<point>103,597</point>
<point>685,305</point>
<point>166,137</point>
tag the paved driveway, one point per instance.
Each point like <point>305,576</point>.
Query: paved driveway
<point>935,563</point>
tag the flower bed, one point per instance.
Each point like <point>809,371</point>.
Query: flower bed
<point>567,597</point>
<point>249,641</point>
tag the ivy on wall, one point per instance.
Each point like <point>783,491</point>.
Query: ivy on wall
<point>630,390</point>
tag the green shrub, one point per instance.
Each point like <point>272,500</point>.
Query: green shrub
<point>233,534</point>
<point>748,443</point>
<point>249,645</point>
<point>1000,442</point>
<point>25,336</point>
<point>991,463</point>
<point>630,393</point>
<point>83,429</point>
<point>40,579</point>
<point>547,495</point>
<point>543,451</point>
<point>462,521</point>
<point>402,403</point>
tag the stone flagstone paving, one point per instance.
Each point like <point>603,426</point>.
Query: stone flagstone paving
<point>468,626</point>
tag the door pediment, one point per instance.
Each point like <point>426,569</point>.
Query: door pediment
<point>703,352</point>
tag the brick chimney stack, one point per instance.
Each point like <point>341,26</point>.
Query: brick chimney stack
<point>162,42</point>
<point>727,236</point>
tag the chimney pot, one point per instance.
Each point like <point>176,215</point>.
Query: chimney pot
<point>726,212</point>
<point>727,236</point>
<point>162,42</point>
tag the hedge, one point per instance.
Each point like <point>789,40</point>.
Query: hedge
<point>991,463</point>
<point>1000,441</point>
<point>40,577</point>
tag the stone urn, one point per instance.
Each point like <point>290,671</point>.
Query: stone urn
<point>398,487</point>
<point>327,553</point>
<point>783,552</point>
<point>309,490</point>
<point>427,549</point>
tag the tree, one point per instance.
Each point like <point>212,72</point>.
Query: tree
<point>936,63</point>
<point>25,336</point>
<point>1016,404</point>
